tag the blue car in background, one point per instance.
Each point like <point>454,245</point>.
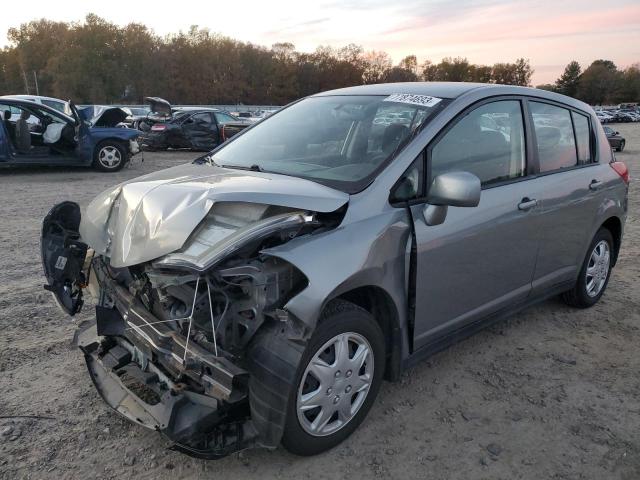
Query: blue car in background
<point>35,134</point>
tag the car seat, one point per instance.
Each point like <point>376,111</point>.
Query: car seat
<point>11,128</point>
<point>23,134</point>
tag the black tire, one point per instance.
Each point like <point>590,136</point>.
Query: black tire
<point>621,146</point>
<point>578,296</point>
<point>339,317</point>
<point>114,148</point>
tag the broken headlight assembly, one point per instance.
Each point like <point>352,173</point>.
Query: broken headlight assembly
<point>230,227</point>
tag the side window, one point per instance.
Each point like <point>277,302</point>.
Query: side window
<point>203,119</point>
<point>554,137</point>
<point>488,142</point>
<point>411,184</point>
<point>56,105</point>
<point>583,137</point>
<point>224,118</point>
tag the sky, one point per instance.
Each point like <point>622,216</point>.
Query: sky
<point>549,33</point>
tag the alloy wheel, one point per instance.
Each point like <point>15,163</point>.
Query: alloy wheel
<point>109,156</point>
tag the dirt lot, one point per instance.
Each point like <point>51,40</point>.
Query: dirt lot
<point>551,393</point>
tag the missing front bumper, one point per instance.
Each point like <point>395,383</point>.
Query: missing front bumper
<point>198,424</point>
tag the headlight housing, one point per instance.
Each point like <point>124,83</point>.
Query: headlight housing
<point>227,228</point>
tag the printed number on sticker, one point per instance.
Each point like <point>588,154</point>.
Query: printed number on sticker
<point>422,100</point>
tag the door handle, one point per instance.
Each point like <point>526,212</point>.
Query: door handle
<point>595,184</point>
<point>527,204</point>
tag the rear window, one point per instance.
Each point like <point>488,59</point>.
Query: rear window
<point>554,137</point>
<point>583,137</point>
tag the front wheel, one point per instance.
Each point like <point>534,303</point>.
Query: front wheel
<point>595,272</point>
<point>337,380</point>
<point>109,156</point>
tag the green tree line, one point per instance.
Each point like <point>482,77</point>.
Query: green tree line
<point>601,83</point>
<point>96,61</point>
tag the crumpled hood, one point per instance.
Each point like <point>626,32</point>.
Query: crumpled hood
<point>153,215</point>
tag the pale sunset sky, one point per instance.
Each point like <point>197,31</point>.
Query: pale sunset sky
<point>549,33</point>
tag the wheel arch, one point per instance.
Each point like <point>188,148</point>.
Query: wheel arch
<point>124,143</point>
<point>614,225</point>
<point>380,305</point>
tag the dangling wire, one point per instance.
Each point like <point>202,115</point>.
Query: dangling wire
<point>193,308</point>
<point>213,327</point>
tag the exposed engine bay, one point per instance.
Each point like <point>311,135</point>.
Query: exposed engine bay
<point>169,346</point>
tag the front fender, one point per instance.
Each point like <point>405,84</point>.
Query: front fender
<point>369,252</point>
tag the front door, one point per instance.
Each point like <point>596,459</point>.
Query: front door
<point>201,131</point>
<point>480,260</point>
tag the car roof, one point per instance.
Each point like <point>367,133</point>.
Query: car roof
<point>452,90</point>
<point>196,109</point>
<point>18,102</point>
<point>26,97</point>
<point>434,89</point>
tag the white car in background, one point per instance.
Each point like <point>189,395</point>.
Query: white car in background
<point>54,103</point>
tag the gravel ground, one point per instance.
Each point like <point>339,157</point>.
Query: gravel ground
<point>550,393</point>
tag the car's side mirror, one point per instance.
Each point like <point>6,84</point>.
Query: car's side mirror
<point>616,133</point>
<point>455,189</point>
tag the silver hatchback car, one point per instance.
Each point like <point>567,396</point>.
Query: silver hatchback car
<point>260,295</point>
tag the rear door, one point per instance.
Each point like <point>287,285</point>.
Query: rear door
<point>572,194</point>
<point>482,259</point>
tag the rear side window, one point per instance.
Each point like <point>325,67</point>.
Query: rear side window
<point>554,137</point>
<point>488,142</point>
<point>583,137</point>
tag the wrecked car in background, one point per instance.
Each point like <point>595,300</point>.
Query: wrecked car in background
<point>259,295</point>
<point>35,134</point>
<point>197,128</point>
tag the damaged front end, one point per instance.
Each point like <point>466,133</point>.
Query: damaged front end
<point>170,346</point>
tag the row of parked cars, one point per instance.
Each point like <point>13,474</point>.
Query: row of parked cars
<point>40,130</point>
<point>626,115</point>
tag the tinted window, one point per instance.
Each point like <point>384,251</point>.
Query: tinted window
<point>554,136</point>
<point>203,119</point>
<point>488,142</point>
<point>583,137</point>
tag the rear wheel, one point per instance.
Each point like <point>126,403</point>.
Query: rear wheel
<point>595,272</point>
<point>109,156</point>
<point>337,380</point>
<point>621,146</point>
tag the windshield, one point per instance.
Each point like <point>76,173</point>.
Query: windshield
<point>339,141</point>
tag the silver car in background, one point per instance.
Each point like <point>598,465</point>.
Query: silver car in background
<point>260,295</point>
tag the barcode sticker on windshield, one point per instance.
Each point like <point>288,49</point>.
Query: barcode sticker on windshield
<point>422,100</point>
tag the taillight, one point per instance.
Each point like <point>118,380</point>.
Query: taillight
<point>158,127</point>
<point>622,170</point>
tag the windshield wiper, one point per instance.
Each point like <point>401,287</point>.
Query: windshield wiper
<point>252,168</point>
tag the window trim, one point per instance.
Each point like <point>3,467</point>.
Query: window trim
<point>590,143</point>
<point>421,197</point>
